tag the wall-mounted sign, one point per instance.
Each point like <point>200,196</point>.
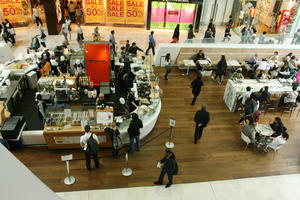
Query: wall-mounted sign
<point>12,10</point>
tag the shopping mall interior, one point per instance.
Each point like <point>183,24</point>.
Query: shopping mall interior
<point>149,99</point>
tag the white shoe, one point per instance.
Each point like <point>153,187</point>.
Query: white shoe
<point>219,82</point>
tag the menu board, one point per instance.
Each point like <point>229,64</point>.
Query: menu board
<point>157,14</point>
<point>13,11</point>
<point>115,11</point>
<point>135,11</point>
<point>94,11</point>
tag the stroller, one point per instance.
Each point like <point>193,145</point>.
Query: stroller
<point>34,45</point>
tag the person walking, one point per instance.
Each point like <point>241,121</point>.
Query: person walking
<point>151,43</point>
<point>72,9</point>
<point>227,34</point>
<point>65,31</point>
<point>5,34</point>
<point>170,167</point>
<point>196,86</point>
<point>201,119</point>
<point>37,14</point>
<point>80,37</point>
<point>42,36</point>
<point>11,32</point>
<point>262,38</point>
<point>190,34</point>
<point>221,69</point>
<point>115,140</point>
<point>175,36</point>
<point>89,143</point>
<point>78,14</point>
<point>68,23</point>
<point>167,64</point>
<point>134,132</point>
<point>113,41</point>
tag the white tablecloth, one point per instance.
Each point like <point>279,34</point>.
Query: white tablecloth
<point>264,129</point>
<point>189,63</point>
<point>234,90</point>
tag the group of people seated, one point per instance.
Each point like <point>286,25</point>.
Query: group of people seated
<point>270,69</point>
<point>278,138</point>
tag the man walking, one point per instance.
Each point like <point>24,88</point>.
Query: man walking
<point>37,14</point>
<point>201,119</point>
<point>113,41</point>
<point>89,143</point>
<point>170,167</point>
<point>151,43</point>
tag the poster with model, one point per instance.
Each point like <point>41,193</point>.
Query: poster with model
<point>58,11</point>
<point>284,20</point>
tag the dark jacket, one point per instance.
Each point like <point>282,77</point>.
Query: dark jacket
<point>176,33</point>
<point>222,67</point>
<point>134,128</point>
<point>202,117</point>
<point>264,97</point>
<point>196,85</point>
<point>249,108</point>
<point>170,165</point>
<point>191,34</point>
<point>134,49</point>
<point>198,56</point>
<point>277,128</point>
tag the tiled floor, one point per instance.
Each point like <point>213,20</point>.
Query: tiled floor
<point>284,187</point>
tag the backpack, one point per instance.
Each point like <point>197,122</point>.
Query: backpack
<point>36,44</point>
<point>117,142</point>
<point>92,146</point>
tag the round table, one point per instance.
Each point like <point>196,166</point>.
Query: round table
<point>264,129</point>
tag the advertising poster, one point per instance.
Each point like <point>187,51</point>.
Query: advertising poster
<point>135,11</point>
<point>94,11</point>
<point>115,11</point>
<point>13,11</point>
<point>157,14</point>
<point>284,20</point>
<point>172,15</point>
<point>187,13</point>
<point>58,11</point>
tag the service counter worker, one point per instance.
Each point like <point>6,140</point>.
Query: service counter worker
<point>63,65</point>
<point>79,71</point>
<point>100,101</point>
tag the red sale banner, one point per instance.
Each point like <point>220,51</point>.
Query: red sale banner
<point>93,11</point>
<point>135,11</point>
<point>12,10</point>
<point>115,11</point>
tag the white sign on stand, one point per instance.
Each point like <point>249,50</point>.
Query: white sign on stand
<point>172,122</point>
<point>170,144</point>
<point>69,180</point>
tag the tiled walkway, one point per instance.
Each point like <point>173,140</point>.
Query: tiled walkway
<point>284,187</point>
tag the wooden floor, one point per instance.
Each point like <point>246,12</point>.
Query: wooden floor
<point>219,156</point>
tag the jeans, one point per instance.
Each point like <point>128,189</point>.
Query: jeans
<point>137,140</point>
<point>198,132</point>
<point>66,37</point>
<point>88,160</point>
<point>167,73</point>
<point>161,177</point>
<point>151,46</point>
<point>38,20</point>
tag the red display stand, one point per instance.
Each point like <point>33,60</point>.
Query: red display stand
<point>97,61</point>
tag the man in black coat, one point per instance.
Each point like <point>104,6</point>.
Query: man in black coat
<point>196,86</point>
<point>201,119</point>
<point>170,167</point>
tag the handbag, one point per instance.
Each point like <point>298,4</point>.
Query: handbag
<point>12,31</point>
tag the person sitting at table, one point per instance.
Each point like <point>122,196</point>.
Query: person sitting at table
<point>263,65</point>
<point>255,74</point>
<point>237,75</point>
<point>284,72</point>
<point>288,58</point>
<point>265,75</point>
<point>199,56</point>
<point>274,58</point>
<point>133,49</point>
<point>292,96</point>
<point>264,95</point>
<point>278,141</point>
<point>249,129</point>
<point>297,75</point>
<point>245,96</point>
<point>221,69</point>
<point>253,60</point>
<point>292,63</point>
<point>248,110</point>
<point>277,126</point>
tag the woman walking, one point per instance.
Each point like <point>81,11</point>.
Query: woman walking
<point>11,32</point>
<point>42,36</point>
<point>167,65</point>
<point>221,69</point>
<point>80,37</point>
<point>134,132</point>
<point>196,86</point>
<point>176,34</point>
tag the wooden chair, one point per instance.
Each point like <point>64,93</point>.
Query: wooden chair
<point>288,107</point>
<point>271,105</point>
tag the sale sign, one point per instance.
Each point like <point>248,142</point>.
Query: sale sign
<point>94,11</point>
<point>135,11</point>
<point>12,10</point>
<point>115,11</point>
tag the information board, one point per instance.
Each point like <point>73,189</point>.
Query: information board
<point>13,11</point>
